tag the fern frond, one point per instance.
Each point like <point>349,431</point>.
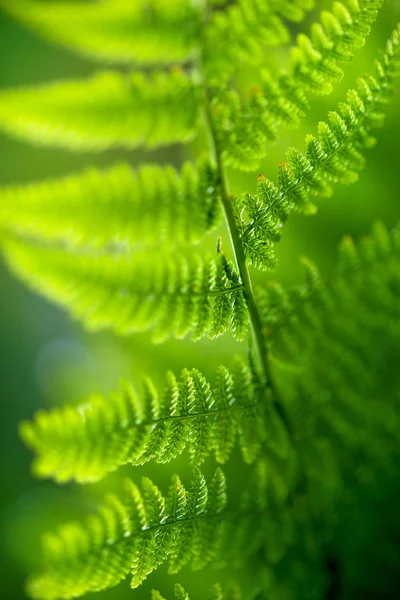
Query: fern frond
<point>132,292</point>
<point>108,110</point>
<point>157,31</point>
<point>87,441</point>
<point>103,207</point>
<point>240,33</point>
<point>134,535</point>
<point>332,157</point>
<point>338,343</point>
<point>316,63</point>
<point>336,351</point>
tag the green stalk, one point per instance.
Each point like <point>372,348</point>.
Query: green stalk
<point>263,360</point>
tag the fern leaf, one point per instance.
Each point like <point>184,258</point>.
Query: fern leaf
<point>136,534</point>
<point>119,291</point>
<point>158,31</point>
<point>240,33</point>
<point>87,441</point>
<point>106,111</point>
<point>332,157</point>
<point>316,64</point>
<point>335,342</point>
<point>104,207</point>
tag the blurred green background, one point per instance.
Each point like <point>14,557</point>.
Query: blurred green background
<point>46,359</point>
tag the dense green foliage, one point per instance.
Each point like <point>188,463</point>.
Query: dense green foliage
<point>114,248</point>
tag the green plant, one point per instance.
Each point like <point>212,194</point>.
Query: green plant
<point>91,242</point>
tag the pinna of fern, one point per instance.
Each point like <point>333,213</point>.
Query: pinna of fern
<point>108,110</point>
<point>333,156</point>
<point>316,64</point>
<point>134,535</point>
<point>120,31</point>
<point>118,291</point>
<point>117,205</point>
<point>87,441</point>
<point>140,531</point>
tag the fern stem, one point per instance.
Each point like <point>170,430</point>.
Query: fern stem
<point>196,415</point>
<point>263,359</point>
